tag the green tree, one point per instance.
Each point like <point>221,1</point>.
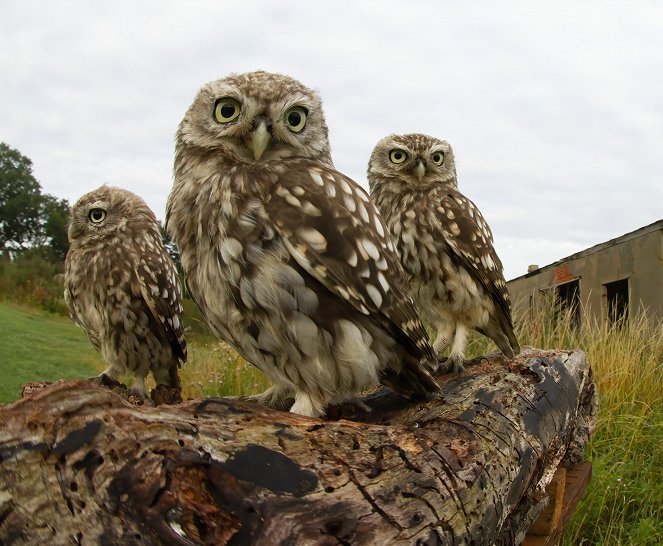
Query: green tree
<point>55,223</point>
<point>20,201</point>
<point>28,218</point>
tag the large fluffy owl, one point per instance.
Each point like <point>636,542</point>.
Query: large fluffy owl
<point>444,244</point>
<point>287,258</point>
<point>122,287</point>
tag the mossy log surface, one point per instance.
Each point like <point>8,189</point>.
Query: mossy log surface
<point>79,464</point>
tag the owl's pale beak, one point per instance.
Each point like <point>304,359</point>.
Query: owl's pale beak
<point>260,138</point>
<point>420,170</point>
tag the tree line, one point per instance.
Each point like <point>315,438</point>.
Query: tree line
<point>30,220</point>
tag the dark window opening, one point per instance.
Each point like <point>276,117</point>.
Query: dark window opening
<point>567,301</point>
<point>617,294</point>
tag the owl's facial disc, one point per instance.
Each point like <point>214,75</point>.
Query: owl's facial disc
<point>265,133</point>
<point>93,216</point>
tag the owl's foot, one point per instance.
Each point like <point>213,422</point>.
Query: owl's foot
<point>358,403</point>
<point>307,405</point>
<point>275,397</point>
<point>105,380</point>
<point>138,387</point>
<point>348,408</point>
<point>452,363</point>
<point>162,394</point>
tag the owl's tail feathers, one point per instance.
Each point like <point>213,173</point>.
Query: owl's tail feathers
<point>411,379</point>
<point>500,330</point>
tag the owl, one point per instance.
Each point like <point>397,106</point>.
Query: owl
<point>444,244</point>
<point>287,258</point>
<point>122,287</point>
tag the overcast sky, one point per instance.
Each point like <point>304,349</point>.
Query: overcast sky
<point>554,109</point>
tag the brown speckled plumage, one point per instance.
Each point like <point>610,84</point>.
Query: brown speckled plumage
<point>443,241</point>
<point>287,258</point>
<point>122,287</point>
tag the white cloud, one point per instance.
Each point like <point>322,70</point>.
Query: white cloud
<point>555,109</point>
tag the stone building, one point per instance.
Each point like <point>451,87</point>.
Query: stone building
<point>608,281</point>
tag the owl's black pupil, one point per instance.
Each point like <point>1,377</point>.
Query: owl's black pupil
<point>398,155</point>
<point>294,118</point>
<point>96,215</point>
<point>227,110</point>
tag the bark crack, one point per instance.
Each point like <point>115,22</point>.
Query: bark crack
<point>376,507</point>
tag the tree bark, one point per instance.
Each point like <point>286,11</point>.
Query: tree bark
<point>80,465</point>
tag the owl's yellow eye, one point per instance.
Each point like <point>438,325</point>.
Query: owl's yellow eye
<point>96,216</point>
<point>226,110</point>
<point>295,118</point>
<point>437,157</point>
<point>397,156</point>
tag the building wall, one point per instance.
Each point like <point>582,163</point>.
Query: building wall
<point>638,259</point>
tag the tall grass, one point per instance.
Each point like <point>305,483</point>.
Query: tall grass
<point>214,369</point>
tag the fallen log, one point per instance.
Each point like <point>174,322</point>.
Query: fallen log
<point>80,465</point>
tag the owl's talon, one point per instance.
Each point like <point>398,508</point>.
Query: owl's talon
<point>357,403</point>
<point>450,364</point>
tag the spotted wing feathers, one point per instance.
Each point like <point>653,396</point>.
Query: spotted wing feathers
<point>337,235</point>
<point>160,291</point>
<point>470,238</point>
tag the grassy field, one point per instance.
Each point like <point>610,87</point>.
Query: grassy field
<point>624,502</point>
<point>40,346</point>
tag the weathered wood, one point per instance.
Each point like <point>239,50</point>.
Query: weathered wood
<point>548,520</point>
<point>576,481</point>
<point>79,465</point>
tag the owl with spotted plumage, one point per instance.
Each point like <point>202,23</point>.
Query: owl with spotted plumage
<point>122,287</point>
<point>444,243</point>
<point>287,258</point>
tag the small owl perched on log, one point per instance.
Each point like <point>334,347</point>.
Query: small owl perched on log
<point>445,245</point>
<point>287,258</point>
<point>121,286</point>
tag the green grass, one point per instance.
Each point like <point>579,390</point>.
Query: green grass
<point>213,368</point>
<point>40,346</point>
